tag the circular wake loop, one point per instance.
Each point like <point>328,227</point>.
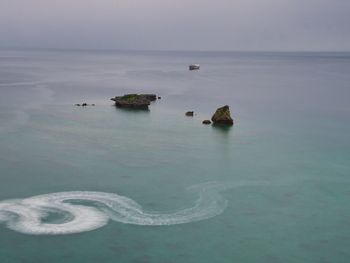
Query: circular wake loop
<point>31,215</point>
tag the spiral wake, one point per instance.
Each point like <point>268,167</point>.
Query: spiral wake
<point>31,215</point>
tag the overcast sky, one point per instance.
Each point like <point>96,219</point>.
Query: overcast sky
<point>177,24</point>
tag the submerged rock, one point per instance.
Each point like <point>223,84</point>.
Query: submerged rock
<point>207,122</point>
<point>134,101</point>
<point>189,113</point>
<point>222,116</point>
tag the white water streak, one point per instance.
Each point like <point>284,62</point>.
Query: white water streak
<point>28,215</point>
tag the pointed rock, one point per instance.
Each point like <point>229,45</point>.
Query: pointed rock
<point>222,116</point>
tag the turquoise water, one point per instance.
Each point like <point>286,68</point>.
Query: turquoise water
<point>273,188</point>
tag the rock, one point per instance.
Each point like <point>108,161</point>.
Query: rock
<point>222,116</point>
<point>151,97</point>
<point>189,113</point>
<point>206,122</point>
<point>159,98</point>
<point>134,101</point>
<point>84,104</point>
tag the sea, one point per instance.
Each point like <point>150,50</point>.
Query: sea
<point>100,184</point>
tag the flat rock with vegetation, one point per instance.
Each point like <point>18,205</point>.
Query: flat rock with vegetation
<point>134,101</point>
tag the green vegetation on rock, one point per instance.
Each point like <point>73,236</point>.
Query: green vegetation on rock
<point>130,97</point>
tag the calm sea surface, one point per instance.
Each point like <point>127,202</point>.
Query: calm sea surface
<point>160,187</point>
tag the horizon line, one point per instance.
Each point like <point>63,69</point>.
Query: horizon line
<point>168,50</point>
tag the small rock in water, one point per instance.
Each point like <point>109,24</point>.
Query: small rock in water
<point>222,116</point>
<point>189,113</point>
<point>159,98</point>
<point>84,104</point>
<point>206,122</point>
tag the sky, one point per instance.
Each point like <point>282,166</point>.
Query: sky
<point>223,25</point>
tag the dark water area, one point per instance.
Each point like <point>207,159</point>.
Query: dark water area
<point>157,186</point>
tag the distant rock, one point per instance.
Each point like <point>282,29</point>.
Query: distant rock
<point>222,116</point>
<point>189,113</point>
<point>134,101</point>
<point>159,98</point>
<point>207,122</point>
<point>84,104</point>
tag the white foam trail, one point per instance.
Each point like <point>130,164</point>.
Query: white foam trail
<point>27,215</point>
